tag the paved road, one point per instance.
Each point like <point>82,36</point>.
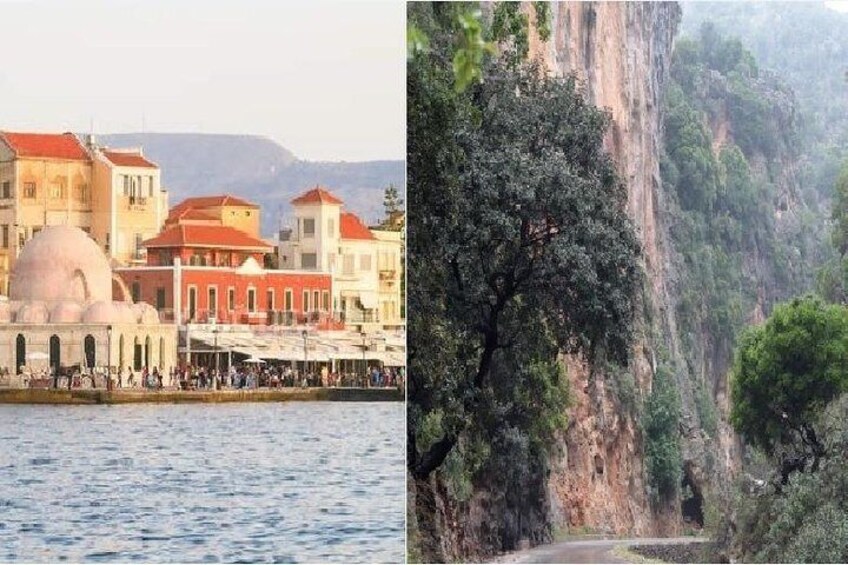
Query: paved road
<point>585,551</point>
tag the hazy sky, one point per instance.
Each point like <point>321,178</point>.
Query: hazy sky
<point>323,79</point>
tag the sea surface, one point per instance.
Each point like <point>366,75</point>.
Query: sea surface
<point>268,482</point>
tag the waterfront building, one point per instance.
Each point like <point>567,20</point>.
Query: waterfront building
<point>60,312</point>
<point>114,195</point>
<point>223,209</point>
<point>208,272</point>
<point>128,202</point>
<point>365,263</point>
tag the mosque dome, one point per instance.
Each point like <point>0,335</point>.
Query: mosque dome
<point>145,313</point>
<point>61,264</point>
<point>32,313</point>
<point>102,312</point>
<point>66,312</point>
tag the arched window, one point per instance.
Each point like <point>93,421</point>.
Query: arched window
<point>121,353</point>
<point>55,352</point>
<point>138,355</point>
<point>148,352</point>
<point>20,353</point>
<point>161,353</point>
<point>89,347</point>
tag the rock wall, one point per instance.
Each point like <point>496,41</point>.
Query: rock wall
<point>622,53</point>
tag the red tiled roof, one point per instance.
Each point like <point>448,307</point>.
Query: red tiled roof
<point>187,235</point>
<point>213,201</point>
<point>200,202</point>
<point>190,214</point>
<point>353,228</point>
<point>46,145</point>
<point>317,195</point>
<point>128,159</point>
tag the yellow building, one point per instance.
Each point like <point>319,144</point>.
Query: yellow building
<point>225,209</point>
<point>45,179</point>
<point>54,179</point>
<point>130,205</point>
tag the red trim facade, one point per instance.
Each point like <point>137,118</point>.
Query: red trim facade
<point>233,297</point>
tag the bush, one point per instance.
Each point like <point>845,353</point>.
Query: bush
<point>662,437</point>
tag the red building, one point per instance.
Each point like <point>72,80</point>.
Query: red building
<point>199,272</point>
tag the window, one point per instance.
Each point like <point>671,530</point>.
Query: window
<point>82,192</point>
<point>365,262</point>
<point>5,237</point>
<point>108,238</point>
<point>7,189</point>
<point>192,302</point>
<point>289,298</point>
<point>136,291</point>
<point>331,227</point>
<point>231,299</point>
<point>308,260</point>
<point>150,187</point>
<point>308,227</point>
<point>349,261</point>
<point>270,298</point>
<point>213,302</point>
<point>331,261</point>
<point>325,301</point>
<point>160,298</point>
<point>316,300</point>
<point>29,190</point>
<point>138,249</point>
<point>306,301</point>
<point>57,191</point>
<point>251,300</point>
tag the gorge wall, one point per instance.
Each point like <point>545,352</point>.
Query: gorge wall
<point>622,52</point>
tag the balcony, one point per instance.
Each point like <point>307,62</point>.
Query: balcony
<point>135,203</point>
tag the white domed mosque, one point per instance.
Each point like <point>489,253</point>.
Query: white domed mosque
<point>60,312</point>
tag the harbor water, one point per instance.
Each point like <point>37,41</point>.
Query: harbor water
<point>247,482</point>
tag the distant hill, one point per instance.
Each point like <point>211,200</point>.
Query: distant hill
<point>260,170</point>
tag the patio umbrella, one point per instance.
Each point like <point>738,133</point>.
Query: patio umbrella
<point>254,360</point>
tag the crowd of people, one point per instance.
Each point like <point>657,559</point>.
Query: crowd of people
<point>244,376</point>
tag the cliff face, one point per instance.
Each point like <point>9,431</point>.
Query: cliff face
<point>622,52</point>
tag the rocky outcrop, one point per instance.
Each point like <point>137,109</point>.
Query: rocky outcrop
<point>622,53</point>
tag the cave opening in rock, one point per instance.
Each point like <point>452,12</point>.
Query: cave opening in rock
<point>691,500</point>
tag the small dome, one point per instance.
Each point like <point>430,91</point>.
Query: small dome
<point>32,313</point>
<point>102,312</point>
<point>125,313</point>
<point>145,313</point>
<point>66,312</point>
<point>61,263</point>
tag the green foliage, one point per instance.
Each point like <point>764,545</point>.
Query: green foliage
<point>705,405</point>
<point>786,371</point>
<point>519,247</point>
<point>840,212</point>
<point>662,437</point>
<point>807,521</point>
<point>472,48</point>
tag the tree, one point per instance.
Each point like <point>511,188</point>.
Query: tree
<point>840,212</point>
<point>393,204</point>
<point>784,374</point>
<point>519,243</point>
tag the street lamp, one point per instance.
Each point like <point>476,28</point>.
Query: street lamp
<point>304,334</point>
<point>109,357</point>
<point>364,364</point>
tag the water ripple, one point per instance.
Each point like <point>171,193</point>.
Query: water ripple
<point>240,483</point>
